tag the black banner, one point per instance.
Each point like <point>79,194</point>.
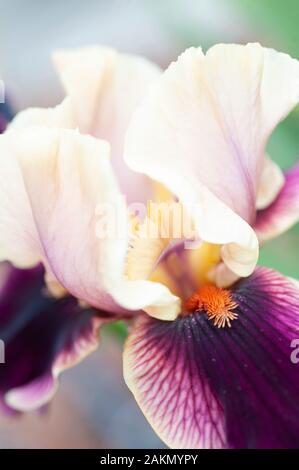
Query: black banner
<point>142,458</point>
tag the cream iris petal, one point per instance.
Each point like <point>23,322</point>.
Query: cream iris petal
<point>105,87</point>
<point>52,181</point>
<point>270,184</point>
<point>61,115</point>
<point>202,133</point>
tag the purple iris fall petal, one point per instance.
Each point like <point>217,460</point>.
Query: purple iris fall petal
<point>202,386</point>
<point>163,370</point>
<point>42,337</point>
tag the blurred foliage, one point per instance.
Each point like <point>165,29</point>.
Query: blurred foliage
<point>275,20</point>
<point>182,28</point>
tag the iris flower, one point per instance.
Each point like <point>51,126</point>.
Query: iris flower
<point>208,354</point>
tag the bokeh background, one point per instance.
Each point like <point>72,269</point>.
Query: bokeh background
<point>93,408</point>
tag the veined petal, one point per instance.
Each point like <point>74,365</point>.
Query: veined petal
<point>105,87</point>
<point>202,386</point>
<point>202,133</point>
<point>284,210</point>
<point>163,371</point>
<point>54,185</point>
<point>59,178</point>
<point>43,336</point>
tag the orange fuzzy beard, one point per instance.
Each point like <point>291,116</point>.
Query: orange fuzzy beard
<point>216,302</point>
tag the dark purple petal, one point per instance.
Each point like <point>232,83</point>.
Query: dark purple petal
<point>42,337</point>
<point>2,123</point>
<point>196,383</point>
<point>5,116</point>
<point>284,210</point>
<point>164,372</point>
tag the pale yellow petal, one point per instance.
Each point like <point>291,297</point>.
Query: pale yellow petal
<point>202,132</point>
<point>106,87</point>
